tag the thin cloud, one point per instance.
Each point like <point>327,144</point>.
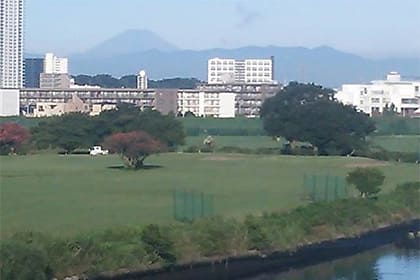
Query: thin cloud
<point>247,16</point>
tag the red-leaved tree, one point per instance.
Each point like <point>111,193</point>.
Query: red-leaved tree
<point>12,136</point>
<point>133,147</point>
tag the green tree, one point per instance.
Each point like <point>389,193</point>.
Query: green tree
<point>366,180</point>
<point>68,132</point>
<point>308,113</point>
<point>166,128</point>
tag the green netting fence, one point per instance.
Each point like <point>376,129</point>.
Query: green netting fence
<point>188,206</point>
<point>324,188</point>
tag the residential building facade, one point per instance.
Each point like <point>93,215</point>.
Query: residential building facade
<point>55,65</point>
<point>48,109</point>
<point>206,103</point>
<point>248,97</point>
<point>381,95</point>
<point>161,100</point>
<point>33,69</point>
<point>11,44</point>
<point>54,80</point>
<point>248,71</point>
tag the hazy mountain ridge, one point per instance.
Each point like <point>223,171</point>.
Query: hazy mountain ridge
<point>133,50</point>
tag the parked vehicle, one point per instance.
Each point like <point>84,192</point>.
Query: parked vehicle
<point>97,150</point>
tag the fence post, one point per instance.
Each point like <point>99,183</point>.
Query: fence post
<point>202,204</point>
<point>174,206</point>
<point>192,205</point>
<point>336,187</point>
<point>346,190</point>
<point>314,187</point>
<point>327,179</point>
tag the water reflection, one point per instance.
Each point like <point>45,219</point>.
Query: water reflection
<point>386,263</point>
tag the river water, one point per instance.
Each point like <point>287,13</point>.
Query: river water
<point>385,263</point>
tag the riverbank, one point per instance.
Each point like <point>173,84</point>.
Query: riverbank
<point>214,243</point>
<point>247,266</point>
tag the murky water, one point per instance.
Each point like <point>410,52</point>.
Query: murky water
<point>386,263</point>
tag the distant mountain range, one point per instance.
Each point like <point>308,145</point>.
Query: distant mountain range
<point>133,50</point>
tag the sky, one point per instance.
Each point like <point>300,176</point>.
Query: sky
<point>371,28</point>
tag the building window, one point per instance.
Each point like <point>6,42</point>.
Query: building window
<point>416,88</point>
<point>409,101</point>
<point>375,100</point>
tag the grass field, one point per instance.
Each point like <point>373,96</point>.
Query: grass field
<point>399,143</point>
<point>251,142</point>
<point>65,195</point>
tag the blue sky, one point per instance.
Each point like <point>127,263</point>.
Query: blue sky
<point>372,28</point>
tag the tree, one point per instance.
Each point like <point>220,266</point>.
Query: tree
<point>189,114</point>
<point>366,180</point>
<point>68,132</point>
<point>134,147</point>
<point>166,128</point>
<point>308,113</point>
<point>12,136</point>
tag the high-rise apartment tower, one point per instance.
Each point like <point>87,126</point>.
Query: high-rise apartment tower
<point>11,43</point>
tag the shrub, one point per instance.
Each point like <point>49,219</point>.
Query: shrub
<point>234,149</point>
<point>257,238</point>
<point>267,151</point>
<point>207,149</point>
<point>214,236</point>
<point>23,261</point>
<point>299,150</point>
<point>157,244</point>
<point>366,180</point>
<point>191,149</point>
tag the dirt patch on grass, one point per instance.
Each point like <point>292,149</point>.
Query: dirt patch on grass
<point>367,164</point>
<point>223,158</point>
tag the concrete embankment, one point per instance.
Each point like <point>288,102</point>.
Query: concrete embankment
<point>243,266</point>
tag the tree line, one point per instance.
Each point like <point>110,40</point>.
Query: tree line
<point>130,81</point>
<point>126,130</point>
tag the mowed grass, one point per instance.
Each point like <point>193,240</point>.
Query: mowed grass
<point>399,143</point>
<point>396,143</point>
<point>66,195</point>
<point>250,142</point>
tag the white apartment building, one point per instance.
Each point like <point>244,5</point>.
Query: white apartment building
<point>373,98</point>
<point>206,103</point>
<point>248,71</point>
<point>55,65</point>
<point>9,102</point>
<point>11,44</point>
<point>142,80</point>
<point>248,98</point>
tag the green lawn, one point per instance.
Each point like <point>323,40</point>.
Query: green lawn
<point>399,143</point>
<point>70,194</point>
<point>251,142</point>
